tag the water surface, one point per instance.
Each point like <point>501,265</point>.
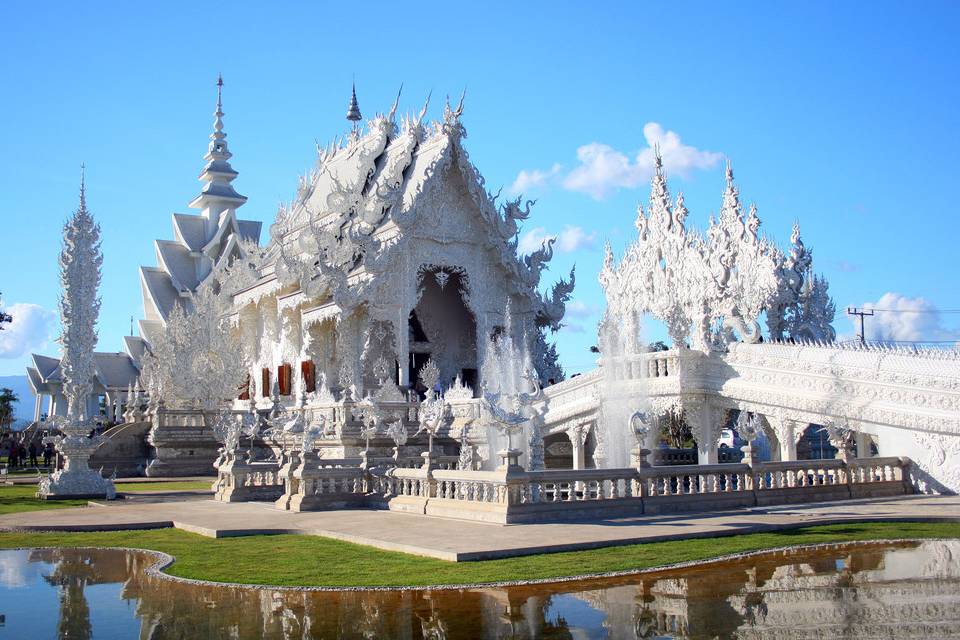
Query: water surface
<point>881,590</point>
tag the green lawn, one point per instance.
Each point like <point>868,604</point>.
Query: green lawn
<point>22,497</point>
<point>15,498</point>
<point>315,561</point>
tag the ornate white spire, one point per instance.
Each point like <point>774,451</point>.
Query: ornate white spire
<point>80,261</point>
<point>218,194</point>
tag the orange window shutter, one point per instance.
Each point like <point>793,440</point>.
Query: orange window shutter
<point>265,381</point>
<point>308,376</point>
<point>283,377</point>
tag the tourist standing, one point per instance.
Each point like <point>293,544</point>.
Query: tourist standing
<point>12,456</point>
<point>47,453</point>
<point>33,455</point>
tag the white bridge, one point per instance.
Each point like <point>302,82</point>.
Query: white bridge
<point>906,402</point>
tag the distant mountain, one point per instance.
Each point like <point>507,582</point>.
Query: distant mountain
<point>23,410</point>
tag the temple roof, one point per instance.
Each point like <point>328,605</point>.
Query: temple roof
<point>202,243</point>
<point>370,195</point>
<point>113,370</point>
<point>188,230</point>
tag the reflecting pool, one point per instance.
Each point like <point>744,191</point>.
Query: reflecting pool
<point>903,590</point>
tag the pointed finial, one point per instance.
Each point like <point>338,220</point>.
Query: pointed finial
<point>396,103</point>
<point>423,111</point>
<point>219,91</point>
<point>459,110</point>
<point>353,111</point>
<point>83,186</point>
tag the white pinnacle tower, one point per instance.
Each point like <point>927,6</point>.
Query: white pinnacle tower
<point>80,261</point>
<point>202,244</point>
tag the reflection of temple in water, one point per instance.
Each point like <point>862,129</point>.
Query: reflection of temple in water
<point>833,594</point>
<point>910,592</point>
<point>76,569</point>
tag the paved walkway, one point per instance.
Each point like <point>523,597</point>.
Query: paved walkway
<point>459,540</point>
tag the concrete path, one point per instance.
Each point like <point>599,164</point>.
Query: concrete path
<point>458,540</point>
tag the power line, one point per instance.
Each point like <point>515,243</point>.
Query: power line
<point>853,311</point>
<point>916,310</point>
<point>908,341</point>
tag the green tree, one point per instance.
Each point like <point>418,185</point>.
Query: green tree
<point>7,400</point>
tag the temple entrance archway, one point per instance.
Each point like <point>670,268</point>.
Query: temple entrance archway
<point>557,451</point>
<point>441,327</point>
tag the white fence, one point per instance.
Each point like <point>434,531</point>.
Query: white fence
<point>514,495</point>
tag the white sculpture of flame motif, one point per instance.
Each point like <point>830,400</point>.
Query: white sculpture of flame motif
<point>709,288</point>
<point>198,361</point>
<point>80,261</point>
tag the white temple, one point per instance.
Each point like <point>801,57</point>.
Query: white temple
<point>379,310</point>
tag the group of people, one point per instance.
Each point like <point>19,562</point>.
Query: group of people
<point>26,456</point>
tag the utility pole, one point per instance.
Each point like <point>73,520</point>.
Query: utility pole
<point>853,311</point>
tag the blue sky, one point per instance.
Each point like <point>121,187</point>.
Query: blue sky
<point>842,118</point>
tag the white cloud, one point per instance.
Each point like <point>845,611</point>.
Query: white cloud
<point>17,571</point>
<point>901,320</point>
<point>567,241</point>
<point>30,330</point>
<point>533,179</point>
<point>579,309</point>
<point>603,169</point>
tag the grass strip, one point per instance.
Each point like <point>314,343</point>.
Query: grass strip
<point>295,560</point>
<point>18,498</point>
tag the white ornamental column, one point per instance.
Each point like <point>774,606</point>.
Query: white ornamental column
<point>80,261</point>
<point>787,434</point>
<point>700,416</point>
<point>578,438</point>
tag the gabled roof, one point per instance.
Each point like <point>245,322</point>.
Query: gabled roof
<point>175,259</point>
<point>135,346</point>
<point>250,229</point>
<point>35,380</point>
<point>159,294</point>
<point>45,365</point>
<point>115,370</point>
<point>188,229</point>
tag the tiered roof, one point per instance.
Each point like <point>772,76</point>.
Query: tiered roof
<point>203,244</point>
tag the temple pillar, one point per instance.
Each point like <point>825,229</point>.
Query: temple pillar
<point>578,438</point>
<point>37,406</point>
<point>787,432</point>
<point>403,348</point>
<point>700,416</point>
